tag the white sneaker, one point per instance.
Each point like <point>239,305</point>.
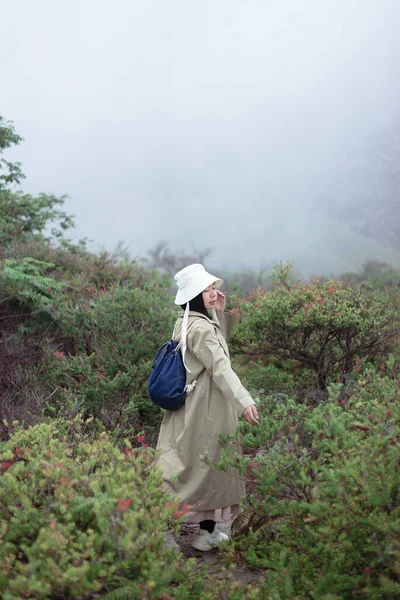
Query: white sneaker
<point>205,541</point>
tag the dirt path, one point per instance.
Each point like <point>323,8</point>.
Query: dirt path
<point>212,560</point>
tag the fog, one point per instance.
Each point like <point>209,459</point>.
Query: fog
<point>222,124</point>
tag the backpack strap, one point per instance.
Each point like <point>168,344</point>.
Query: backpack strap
<point>190,386</point>
<point>189,328</point>
<point>182,343</point>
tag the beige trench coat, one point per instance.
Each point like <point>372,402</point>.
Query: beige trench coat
<point>211,408</point>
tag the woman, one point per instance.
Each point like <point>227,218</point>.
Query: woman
<point>216,400</point>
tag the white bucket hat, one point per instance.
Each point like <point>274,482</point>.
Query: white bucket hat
<point>191,281</point>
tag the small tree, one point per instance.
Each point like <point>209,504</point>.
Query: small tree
<point>376,274</point>
<point>9,172</point>
<point>322,326</point>
<point>23,216</point>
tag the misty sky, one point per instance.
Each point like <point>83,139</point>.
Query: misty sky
<point>219,123</point>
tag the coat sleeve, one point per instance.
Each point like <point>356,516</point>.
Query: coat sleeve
<point>227,323</point>
<point>204,344</point>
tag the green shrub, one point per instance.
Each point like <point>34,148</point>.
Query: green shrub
<point>264,375</point>
<point>96,340</point>
<point>78,515</point>
<point>376,274</point>
<point>116,334</point>
<point>122,325</point>
<point>88,385</point>
<point>323,327</point>
<point>323,512</point>
<point>82,519</point>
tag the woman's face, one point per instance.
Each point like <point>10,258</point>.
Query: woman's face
<point>210,296</point>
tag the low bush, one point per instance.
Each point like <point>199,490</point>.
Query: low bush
<point>266,376</point>
<point>324,327</point>
<point>323,513</point>
<point>78,515</point>
<point>89,386</point>
<point>82,519</point>
<point>95,341</point>
<point>376,274</point>
<point>116,334</point>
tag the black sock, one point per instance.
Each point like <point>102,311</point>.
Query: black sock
<point>208,525</point>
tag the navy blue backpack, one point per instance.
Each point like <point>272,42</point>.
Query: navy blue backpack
<point>167,383</point>
<point>168,377</point>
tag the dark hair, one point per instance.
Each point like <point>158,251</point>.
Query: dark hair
<point>197,304</point>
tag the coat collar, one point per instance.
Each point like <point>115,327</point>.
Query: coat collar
<point>197,315</point>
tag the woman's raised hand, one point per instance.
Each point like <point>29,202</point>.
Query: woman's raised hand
<point>251,415</point>
<point>221,301</point>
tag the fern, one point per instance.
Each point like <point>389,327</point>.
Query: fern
<point>30,271</point>
<point>128,592</point>
<point>26,280</point>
